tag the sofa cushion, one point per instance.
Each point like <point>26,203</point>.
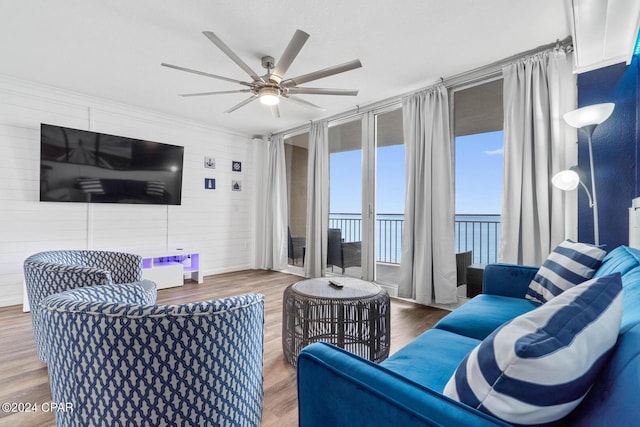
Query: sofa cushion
<point>480,316</point>
<point>538,367</point>
<point>620,260</point>
<point>631,300</point>
<point>569,264</point>
<point>441,352</point>
<point>626,261</point>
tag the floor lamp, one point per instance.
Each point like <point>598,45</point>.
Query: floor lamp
<point>586,119</point>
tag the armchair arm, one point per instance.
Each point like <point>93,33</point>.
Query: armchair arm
<point>338,388</point>
<point>507,280</point>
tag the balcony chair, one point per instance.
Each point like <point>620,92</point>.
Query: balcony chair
<point>342,254</point>
<point>296,247</point>
<point>196,364</point>
<point>47,273</point>
<point>463,260</point>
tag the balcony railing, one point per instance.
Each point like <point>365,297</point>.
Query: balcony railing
<point>477,233</point>
<point>480,234</point>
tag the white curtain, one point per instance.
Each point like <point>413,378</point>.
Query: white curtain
<point>427,268</point>
<point>315,261</point>
<point>536,217</point>
<point>272,214</point>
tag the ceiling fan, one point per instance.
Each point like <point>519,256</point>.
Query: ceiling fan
<point>272,86</point>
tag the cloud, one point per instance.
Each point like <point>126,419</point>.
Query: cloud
<point>497,152</point>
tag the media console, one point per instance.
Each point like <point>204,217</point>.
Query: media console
<point>169,268</point>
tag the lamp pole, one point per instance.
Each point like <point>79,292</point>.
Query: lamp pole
<point>596,234</point>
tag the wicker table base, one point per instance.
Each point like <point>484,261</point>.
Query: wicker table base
<point>355,317</point>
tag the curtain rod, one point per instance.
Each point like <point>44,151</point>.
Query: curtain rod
<point>475,75</point>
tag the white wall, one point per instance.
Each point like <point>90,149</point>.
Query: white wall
<point>218,223</point>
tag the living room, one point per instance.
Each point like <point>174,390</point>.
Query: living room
<point>96,67</point>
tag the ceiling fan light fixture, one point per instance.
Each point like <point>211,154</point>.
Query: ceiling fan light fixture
<point>269,96</point>
<point>269,88</point>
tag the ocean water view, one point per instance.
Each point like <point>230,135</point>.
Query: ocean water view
<point>472,232</point>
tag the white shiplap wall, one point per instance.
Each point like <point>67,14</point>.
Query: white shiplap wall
<point>218,223</point>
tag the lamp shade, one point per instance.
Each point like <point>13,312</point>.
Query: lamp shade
<point>269,96</point>
<point>566,180</point>
<point>591,115</point>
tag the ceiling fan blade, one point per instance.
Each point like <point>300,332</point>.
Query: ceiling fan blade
<point>275,111</point>
<point>231,54</point>
<point>305,103</point>
<point>322,91</point>
<point>242,104</point>
<point>291,51</point>
<point>336,69</point>
<point>202,73</point>
<point>215,93</point>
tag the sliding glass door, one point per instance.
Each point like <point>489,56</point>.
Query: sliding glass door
<point>389,196</point>
<point>345,232</point>
<point>296,149</point>
<point>366,192</point>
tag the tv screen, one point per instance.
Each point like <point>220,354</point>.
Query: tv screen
<point>82,166</point>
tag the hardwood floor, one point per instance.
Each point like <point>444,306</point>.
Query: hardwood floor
<point>23,378</point>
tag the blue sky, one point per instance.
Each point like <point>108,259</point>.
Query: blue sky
<point>478,177</point>
<point>479,173</point>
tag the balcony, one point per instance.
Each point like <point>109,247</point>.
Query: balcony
<point>472,232</point>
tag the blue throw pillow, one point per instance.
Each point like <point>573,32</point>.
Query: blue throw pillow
<point>539,366</point>
<point>569,264</point>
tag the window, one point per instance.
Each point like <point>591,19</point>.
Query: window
<point>478,122</point>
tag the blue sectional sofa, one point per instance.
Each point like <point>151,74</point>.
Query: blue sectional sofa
<point>338,388</point>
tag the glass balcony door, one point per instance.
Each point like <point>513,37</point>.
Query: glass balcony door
<point>366,192</point>
<point>296,150</point>
<point>389,195</point>
<point>345,237</point>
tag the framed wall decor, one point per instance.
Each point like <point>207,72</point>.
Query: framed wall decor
<point>210,183</point>
<point>209,162</point>
<point>236,166</point>
<point>236,185</point>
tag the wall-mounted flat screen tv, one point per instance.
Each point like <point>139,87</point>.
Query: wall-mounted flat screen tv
<point>82,166</point>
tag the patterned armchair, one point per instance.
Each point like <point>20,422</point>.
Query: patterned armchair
<point>197,364</point>
<point>47,273</point>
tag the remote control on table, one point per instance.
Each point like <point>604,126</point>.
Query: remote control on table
<point>335,284</point>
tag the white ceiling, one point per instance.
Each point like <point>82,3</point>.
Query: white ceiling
<point>113,49</point>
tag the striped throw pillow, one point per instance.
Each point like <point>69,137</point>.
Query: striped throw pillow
<point>569,264</point>
<point>537,367</point>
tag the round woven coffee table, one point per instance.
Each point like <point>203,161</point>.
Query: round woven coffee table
<point>355,317</point>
